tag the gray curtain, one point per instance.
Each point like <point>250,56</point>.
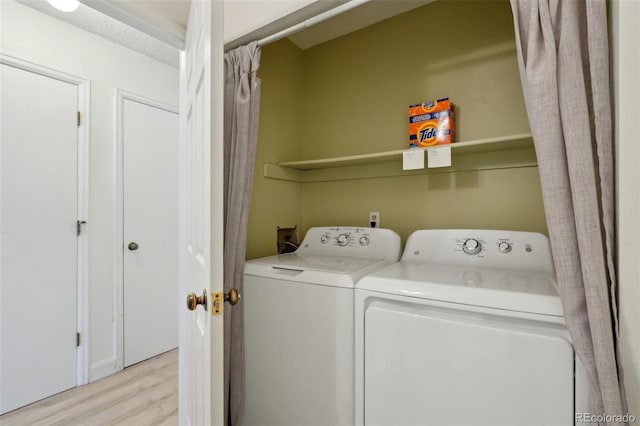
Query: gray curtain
<point>241,113</point>
<point>563,57</point>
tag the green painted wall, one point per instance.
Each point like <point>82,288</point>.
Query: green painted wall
<point>356,92</point>
<point>359,86</point>
<point>497,199</point>
<point>276,202</point>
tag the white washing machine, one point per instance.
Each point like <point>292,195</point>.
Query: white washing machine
<point>298,313</point>
<point>467,329</point>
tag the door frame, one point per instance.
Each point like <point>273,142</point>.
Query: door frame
<point>84,132</point>
<point>121,96</point>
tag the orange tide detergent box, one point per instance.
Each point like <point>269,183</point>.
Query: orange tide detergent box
<point>431,123</point>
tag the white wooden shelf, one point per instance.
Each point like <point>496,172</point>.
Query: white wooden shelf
<point>483,154</point>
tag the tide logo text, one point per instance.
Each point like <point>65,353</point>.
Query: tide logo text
<point>428,135</point>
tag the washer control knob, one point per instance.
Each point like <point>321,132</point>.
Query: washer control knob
<point>324,239</point>
<point>471,246</point>
<point>343,239</point>
<point>504,247</point>
<point>364,241</point>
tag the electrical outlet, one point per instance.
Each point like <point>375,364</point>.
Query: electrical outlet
<point>374,219</point>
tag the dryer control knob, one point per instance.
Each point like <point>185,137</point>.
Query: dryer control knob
<point>343,239</point>
<point>364,241</point>
<point>471,246</point>
<point>324,238</point>
<point>504,247</point>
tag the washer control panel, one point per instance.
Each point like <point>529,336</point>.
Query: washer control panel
<point>504,246</point>
<point>480,246</point>
<point>472,246</point>
<point>475,246</point>
<point>487,248</point>
<point>347,237</point>
<point>343,239</point>
<point>352,241</point>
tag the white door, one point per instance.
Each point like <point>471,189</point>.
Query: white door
<point>39,201</point>
<point>150,136</point>
<point>201,216</point>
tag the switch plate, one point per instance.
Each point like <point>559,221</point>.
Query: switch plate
<point>374,219</point>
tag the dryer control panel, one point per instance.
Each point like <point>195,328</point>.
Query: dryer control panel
<point>352,241</point>
<point>485,248</point>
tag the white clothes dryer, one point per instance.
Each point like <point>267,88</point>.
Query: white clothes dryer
<point>467,329</point>
<point>298,318</point>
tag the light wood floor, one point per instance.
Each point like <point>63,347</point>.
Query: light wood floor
<point>145,394</point>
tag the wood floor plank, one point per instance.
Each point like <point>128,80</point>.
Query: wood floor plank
<point>145,394</point>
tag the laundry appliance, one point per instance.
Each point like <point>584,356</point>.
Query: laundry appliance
<point>298,319</point>
<point>467,329</point>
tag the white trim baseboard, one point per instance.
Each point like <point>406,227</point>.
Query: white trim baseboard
<point>84,147</point>
<point>102,369</point>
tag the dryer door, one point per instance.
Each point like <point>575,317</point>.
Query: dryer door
<point>434,363</point>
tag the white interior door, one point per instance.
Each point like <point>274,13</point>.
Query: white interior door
<point>39,202</point>
<point>150,134</point>
<point>201,216</point>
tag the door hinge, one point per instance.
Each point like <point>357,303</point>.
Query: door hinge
<point>78,118</point>
<point>79,224</point>
<point>77,339</point>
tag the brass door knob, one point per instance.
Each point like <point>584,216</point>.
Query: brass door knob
<point>133,246</point>
<point>232,297</point>
<point>194,300</point>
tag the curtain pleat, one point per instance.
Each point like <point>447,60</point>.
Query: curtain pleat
<point>563,59</point>
<point>241,113</point>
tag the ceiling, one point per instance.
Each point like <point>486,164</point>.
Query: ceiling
<point>174,10</point>
<point>104,26</point>
<point>167,20</point>
<point>353,20</point>
<point>176,14</point>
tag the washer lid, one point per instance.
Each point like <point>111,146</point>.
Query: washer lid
<point>317,262</point>
<point>512,290</point>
